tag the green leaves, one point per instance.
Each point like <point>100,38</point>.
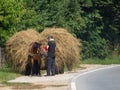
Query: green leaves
<point>109,9</point>
<point>95,22</point>
<point>11,12</point>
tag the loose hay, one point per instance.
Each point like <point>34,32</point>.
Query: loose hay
<point>68,48</point>
<point>17,48</point>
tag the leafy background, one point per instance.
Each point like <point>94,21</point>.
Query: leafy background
<point>95,22</point>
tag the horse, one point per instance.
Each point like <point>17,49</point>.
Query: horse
<point>36,51</point>
<point>37,56</point>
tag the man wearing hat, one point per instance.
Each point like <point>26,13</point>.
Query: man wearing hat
<point>51,56</point>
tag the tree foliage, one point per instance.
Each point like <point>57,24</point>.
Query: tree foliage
<point>11,12</point>
<point>110,11</point>
<point>95,22</point>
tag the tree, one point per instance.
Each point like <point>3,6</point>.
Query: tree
<point>110,11</point>
<point>11,12</point>
<point>57,13</point>
<point>93,44</point>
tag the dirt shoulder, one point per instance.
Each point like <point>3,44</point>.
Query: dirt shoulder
<point>57,82</point>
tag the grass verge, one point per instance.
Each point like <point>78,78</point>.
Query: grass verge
<point>109,60</point>
<point>6,74</point>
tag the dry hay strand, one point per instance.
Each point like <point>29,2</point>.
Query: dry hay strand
<point>17,48</point>
<point>67,51</point>
<point>68,48</point>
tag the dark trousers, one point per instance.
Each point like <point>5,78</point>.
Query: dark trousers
<point>50,66</point>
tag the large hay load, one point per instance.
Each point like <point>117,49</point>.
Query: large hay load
<point>67,47</point>
<point>17,48</point>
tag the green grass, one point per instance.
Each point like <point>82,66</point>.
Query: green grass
<point>7,74</point>
<point>109,60</point>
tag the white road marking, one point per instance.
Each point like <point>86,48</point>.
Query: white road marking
<point>73,84</point>
<point>73,87</point>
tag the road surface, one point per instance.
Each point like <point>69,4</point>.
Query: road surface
<point>102,79</point>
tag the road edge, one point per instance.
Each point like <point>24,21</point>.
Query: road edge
<point>72,85</point>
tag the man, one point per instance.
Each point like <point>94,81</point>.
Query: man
<point>51,56</point>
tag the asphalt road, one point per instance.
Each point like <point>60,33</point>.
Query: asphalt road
<point>102,79</point>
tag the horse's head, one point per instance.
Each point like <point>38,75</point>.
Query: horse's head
<point>33,48</point>
<point>37,48</point>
